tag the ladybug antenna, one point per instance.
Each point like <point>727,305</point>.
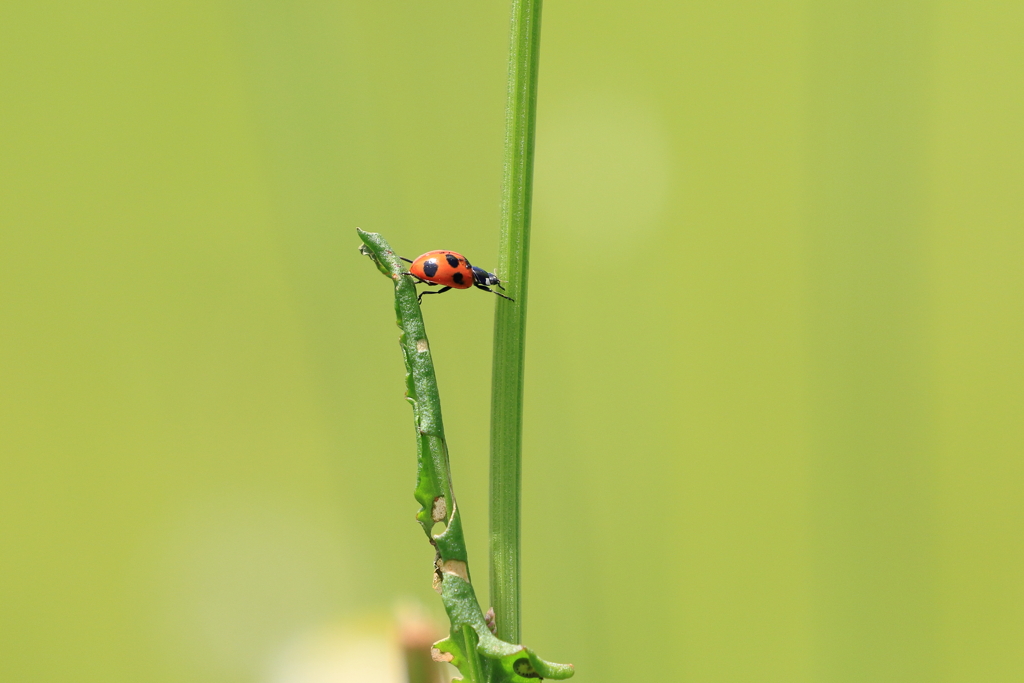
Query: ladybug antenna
<point>405,259</point>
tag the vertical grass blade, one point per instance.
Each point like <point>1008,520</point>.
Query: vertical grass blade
<point>510,319</point>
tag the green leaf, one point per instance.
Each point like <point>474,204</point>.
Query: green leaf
<point>479,655</point>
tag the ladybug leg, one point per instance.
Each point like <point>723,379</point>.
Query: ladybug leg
<point>488,289</point>
<point>405,259</point>
<point>421,281</point>
<point>440,291</point>
<point>425,282</point>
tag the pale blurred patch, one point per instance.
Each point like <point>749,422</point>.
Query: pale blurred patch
<point>603,167</point>
<point>241,577</point>
<point>365,651</point>
<point>372,648</point>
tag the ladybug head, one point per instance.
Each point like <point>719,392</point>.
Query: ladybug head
<point>482,277</point>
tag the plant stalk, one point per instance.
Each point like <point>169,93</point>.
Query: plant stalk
<point>510,318</point>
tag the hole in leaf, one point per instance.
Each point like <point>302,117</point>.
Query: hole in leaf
<point>524,668</point>
<point>439,511</point>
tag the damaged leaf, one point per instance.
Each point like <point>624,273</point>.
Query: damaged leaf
<point>471,646</point>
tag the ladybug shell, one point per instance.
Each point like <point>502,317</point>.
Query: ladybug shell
<point>448,268</point>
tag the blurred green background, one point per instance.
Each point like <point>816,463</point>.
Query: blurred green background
<point>775,380</point>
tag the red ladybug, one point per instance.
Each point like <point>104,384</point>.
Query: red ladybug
<point>453,270</point>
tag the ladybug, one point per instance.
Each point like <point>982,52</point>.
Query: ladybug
<point>453,270</point>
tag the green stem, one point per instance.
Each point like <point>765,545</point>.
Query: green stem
<point>510,319</point>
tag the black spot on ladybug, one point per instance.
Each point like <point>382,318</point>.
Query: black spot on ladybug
<point>453,261</point>
<point>523,668</point>
<point>430,268</point>
<point>457,277</point>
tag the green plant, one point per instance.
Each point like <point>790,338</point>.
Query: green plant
<point>481,655</point>
<point>471,646</point>
<point>510,317</point>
